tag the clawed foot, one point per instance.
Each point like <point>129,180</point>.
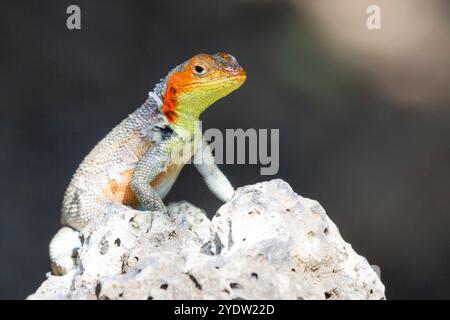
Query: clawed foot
<point>142,220</point>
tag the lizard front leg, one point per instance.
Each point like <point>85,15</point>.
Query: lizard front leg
<point>147,169</point>
<point>216,181</point>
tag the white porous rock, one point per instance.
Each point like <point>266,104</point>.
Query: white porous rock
<point>266,243</point>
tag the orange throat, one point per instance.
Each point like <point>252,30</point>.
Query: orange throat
<point>170,104</point>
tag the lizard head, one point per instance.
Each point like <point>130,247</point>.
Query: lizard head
<point>199,82</point>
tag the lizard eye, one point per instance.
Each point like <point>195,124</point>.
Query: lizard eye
<point>198,69</point>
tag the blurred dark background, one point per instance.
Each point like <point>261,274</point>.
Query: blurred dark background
<point>363,115</point>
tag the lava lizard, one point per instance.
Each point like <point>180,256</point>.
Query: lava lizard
<point>137,163</point>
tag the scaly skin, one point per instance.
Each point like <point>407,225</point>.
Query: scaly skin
<point>135,164</point>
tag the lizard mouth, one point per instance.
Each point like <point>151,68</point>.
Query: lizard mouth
<point>218,84</point>
<point>235,78</point>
